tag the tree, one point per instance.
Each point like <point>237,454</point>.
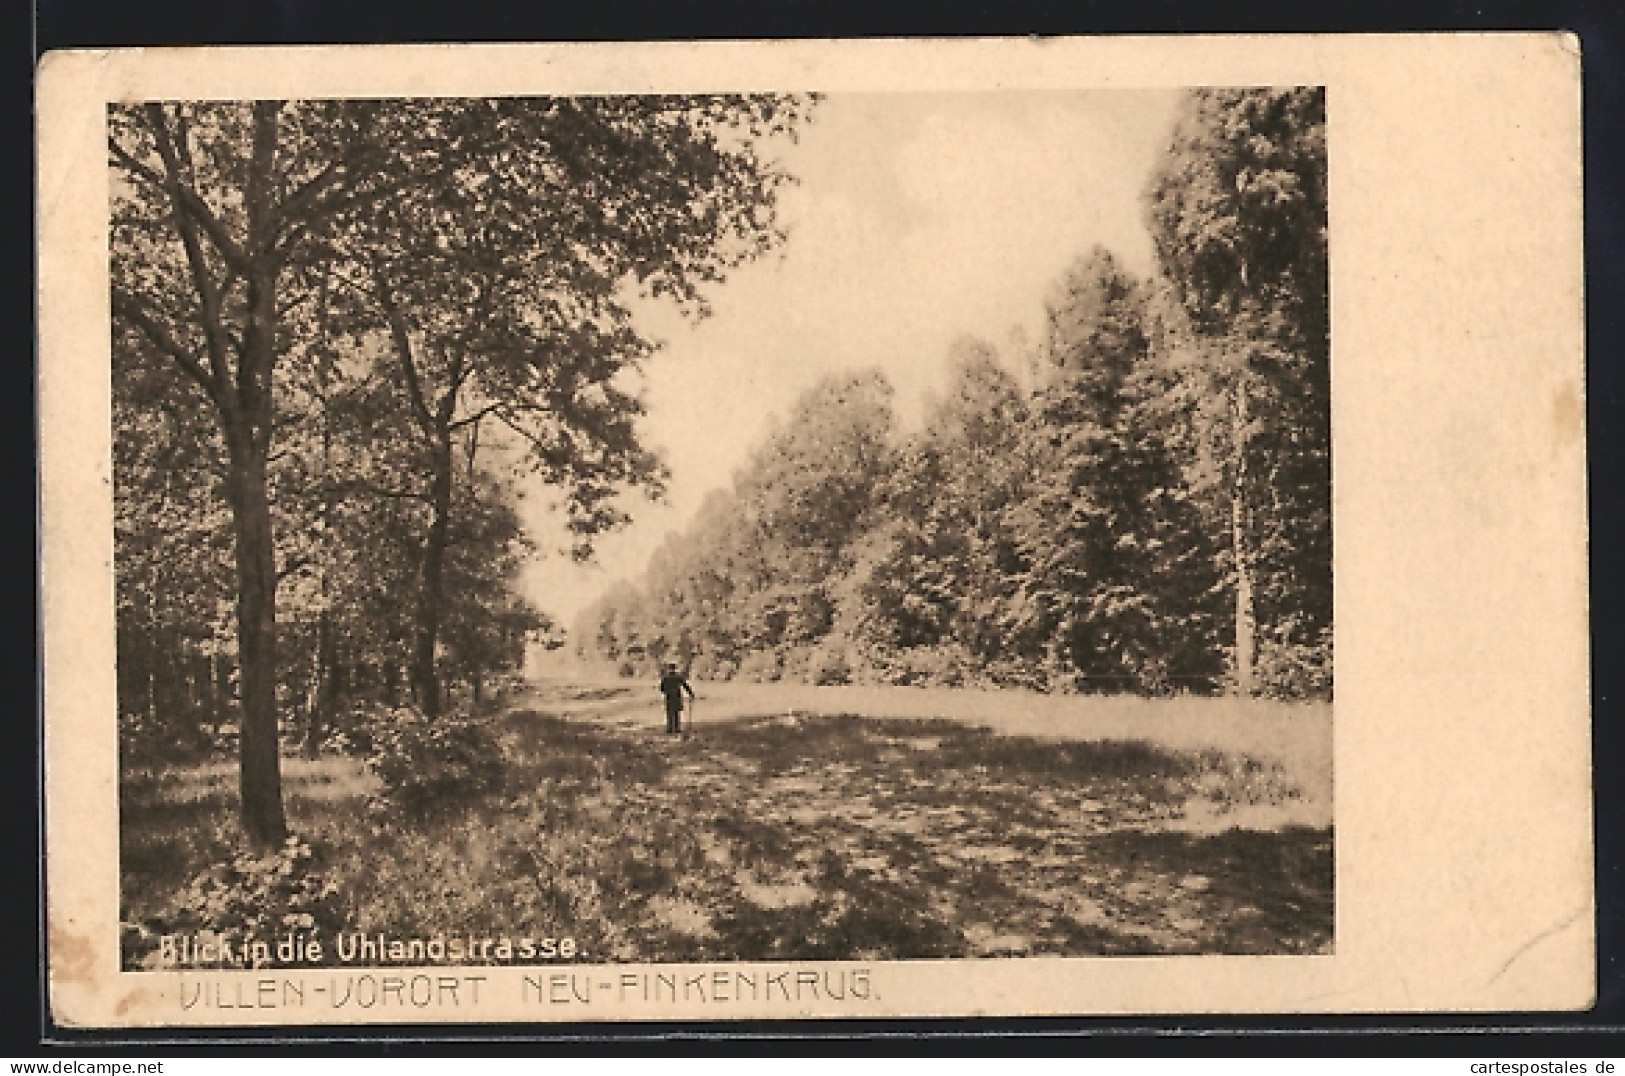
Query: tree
<point>937,572</point>
<point>1238,214</point>
<point>500,299</point>
<point>807,493</point>
<point>229,219</point>
<point>215,206</point>
<point>486,622</point>
<point>1086,528</point>
<point>752,586</point>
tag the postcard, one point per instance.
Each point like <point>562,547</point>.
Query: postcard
<point>816,529</point>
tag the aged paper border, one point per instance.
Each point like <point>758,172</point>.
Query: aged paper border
<point>1462,734</point>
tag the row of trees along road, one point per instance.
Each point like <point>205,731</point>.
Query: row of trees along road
<point>1140,502</point>
<point>341,328</point>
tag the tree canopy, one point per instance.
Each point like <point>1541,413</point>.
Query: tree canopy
<point>329,300</point>
<point>1149,513</point>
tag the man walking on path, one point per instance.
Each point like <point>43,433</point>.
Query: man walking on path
<point>672,685</point>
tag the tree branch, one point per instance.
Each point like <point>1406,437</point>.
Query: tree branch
<point>336,203</point>
<point>382,491</point>
<point>303,209</point>
<point>130,308</point>
<point>306,192</point>
<point>505,415</point>
<point>403,348</point>
<point>185,196</point>
<point>483,413</point>
<point>186,221</point>
<point>298,564</point>
<point>138,167</point>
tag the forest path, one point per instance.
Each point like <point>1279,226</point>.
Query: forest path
<point>1295,737</point>
<point>780,834</point>
<point>809,823</point>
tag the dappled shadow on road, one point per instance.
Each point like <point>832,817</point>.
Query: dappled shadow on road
<point>1261,887</point>
<point>572,753</point>
<point>843,837</point>
<point>787,837</point>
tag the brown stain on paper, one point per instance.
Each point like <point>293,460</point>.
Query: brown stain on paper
<point>73,959</point>
<point>73,962</point>
<point>136,998</point>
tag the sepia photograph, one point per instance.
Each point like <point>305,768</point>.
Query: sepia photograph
<point>757,527</point>
<point>567,533</point>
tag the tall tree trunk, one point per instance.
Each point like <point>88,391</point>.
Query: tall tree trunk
<point>249,445</point>
<point>260,776</point>
<point>153,649</point>
<point>211,693</point>
<point>431,593</point>
<point>235,369</point>
<point>324,690</point>
<point>1246,629</point>
<point>325,698</point>
<point>220,693</point>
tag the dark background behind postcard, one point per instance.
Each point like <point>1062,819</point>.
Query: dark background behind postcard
<point>60,24</point>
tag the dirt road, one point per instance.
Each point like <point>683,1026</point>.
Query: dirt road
<point>800,833</point>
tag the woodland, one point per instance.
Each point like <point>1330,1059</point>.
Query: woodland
<point>350,337</point>
<point>1139,502</point>
<point>327,315</point>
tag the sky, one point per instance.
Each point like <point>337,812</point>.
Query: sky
<point>918,218</point>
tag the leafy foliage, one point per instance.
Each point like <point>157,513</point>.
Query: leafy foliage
<point>337,325</point>
<point>427,766</point>
<point>1139,504</point>
<point>263,894</point>
<point>1238,214</point>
